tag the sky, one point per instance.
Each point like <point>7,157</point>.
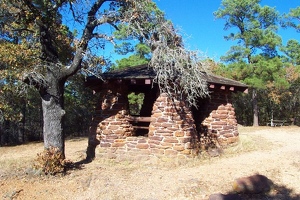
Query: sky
<point>201,31</point>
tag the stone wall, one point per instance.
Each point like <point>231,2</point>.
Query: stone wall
<point>171,132</point>
<point>174,129</point>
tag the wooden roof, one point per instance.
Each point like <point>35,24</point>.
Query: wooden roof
<point>145,72</point>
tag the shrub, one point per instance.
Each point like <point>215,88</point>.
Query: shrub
<point>51,161</point>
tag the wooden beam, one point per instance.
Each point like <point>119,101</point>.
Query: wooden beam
<point>141,127</point>
<point>139,119</point>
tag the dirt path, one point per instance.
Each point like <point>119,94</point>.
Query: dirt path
<point>273,152</point>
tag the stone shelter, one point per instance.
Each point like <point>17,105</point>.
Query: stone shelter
<point>162,126</point>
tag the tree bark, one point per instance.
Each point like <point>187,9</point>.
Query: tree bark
<point>255,107</point>
<point>53,115</point>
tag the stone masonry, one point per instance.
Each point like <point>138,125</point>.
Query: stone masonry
<point>173,126</point>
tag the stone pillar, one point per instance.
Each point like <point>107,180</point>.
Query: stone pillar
<point>110,124</point>
<point>171,128</point>
<point>222,122</point>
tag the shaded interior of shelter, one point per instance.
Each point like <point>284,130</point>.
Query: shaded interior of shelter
<point>150,92</point>
<point>139,79</point>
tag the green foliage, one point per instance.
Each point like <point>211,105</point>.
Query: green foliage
<point>51,161</point>
<point>256,28</point>
<point>79,104</point>
<point>132,60</point>
<point>292,51</point>
<point>135,103</point>
<point>292,19</point>
<point>140,57</point>
<point>254,60</point>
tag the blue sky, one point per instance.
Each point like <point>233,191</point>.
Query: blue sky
<point>202,31</point>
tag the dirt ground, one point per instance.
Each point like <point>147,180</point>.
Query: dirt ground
<point>270,151</point>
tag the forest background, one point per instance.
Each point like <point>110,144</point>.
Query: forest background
<point>258,59</point>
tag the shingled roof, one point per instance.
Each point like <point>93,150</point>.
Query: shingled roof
<point>145,72</point>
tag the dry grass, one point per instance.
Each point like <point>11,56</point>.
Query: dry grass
<point>264,150</point>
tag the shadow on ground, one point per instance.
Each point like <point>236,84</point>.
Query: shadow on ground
<point>278,192</point>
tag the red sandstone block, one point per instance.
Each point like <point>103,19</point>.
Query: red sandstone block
<point>214,115</point>
<point>142,146</point>
<point>179,134</point>
<point>216,127</point>
<point>170,110</point>
<point>156,142</point>
<point>142,140</point>
<point>231,113</point>
<point>165,144</point>
<point>156,125</point>
<point>130,139</point>
<point>112,137</point>
<point>166,134</point>
<point>161,130</point>
<point>106,132</point>
<point>104,123</point>
<point>120,140</point>
<point>166,125</point>
<point>102,127</point>
<point>235,133</point>
<point>228,127</point>
<point>232,121</point>
<point>223,116</point>
<point>116,123</point>
<point>118,144</point>
<point>108,140</point>
<point>152,145</point>
<point>174,128</point>
<point>170,140</point>
<point>219,123</point>
<point>104,144</point>
<point>184,139</point>
<point>170,152</point>
<point>113,127</point>
<point>231,117</point>
<point>120,132</point>
<point>223,112</point>
<point>162,119</point>
<point>178,148</point>
<point>156,138</point>
<point>222,107</point>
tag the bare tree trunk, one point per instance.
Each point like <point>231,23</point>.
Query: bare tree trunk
<point>53,115</point>
<point>255,108</point>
